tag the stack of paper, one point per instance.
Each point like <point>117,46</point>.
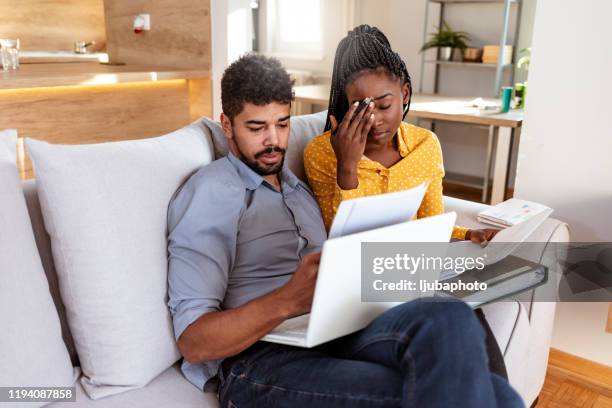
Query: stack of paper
<point>511,212</point>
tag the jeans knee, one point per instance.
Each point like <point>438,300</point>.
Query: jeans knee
<point>446,315</point>
<point>455,314</point>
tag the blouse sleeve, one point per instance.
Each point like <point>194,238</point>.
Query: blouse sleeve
<point>320,167</point>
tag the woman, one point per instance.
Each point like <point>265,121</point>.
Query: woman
<point>374,151</point>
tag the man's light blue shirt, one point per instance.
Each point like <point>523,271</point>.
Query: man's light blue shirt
<point>233,238</point>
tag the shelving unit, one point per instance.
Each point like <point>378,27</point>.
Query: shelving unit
<point>503,41</point>
<point>496,142</point>
<point>468,64</point>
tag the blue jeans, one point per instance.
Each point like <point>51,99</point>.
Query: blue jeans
<point>425,353</point>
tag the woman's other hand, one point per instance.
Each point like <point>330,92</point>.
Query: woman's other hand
<point>481,236</point>
<point>348,141</point>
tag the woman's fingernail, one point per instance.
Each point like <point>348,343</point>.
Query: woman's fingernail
<point>356,103</point>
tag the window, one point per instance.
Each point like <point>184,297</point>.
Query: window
<point>294,27</point>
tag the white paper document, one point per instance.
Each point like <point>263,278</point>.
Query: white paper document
<point>381,210</point>
<point>503,244</point>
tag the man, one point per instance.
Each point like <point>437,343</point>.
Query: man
<point>244,236</point>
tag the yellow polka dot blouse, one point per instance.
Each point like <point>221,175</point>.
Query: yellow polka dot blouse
<point>421,161</point>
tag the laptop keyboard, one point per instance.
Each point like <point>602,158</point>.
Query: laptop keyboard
<point>297,326</point>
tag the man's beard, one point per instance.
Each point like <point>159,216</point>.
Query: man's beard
<point>263,170</point>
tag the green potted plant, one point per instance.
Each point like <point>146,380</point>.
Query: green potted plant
<point>447,41</point>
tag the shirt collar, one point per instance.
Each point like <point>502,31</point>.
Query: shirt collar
<point>252,180</point>
<point>288,177</point>
<point>404,140</point>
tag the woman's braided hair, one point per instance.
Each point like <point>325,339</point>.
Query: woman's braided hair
<point>365,48</point>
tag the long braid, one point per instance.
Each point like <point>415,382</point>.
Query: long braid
<point>364,48</point>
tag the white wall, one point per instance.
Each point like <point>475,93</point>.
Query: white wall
<point>218,31</point>
<point>566,148</point>
<point>579,330</point>
<point>565,155</point>
<point>231,33</point>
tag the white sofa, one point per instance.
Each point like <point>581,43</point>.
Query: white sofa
<point>522,328</point>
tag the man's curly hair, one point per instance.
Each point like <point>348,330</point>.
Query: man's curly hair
<point>255,79</point>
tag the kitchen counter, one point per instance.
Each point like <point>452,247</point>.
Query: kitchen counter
<point>90,73</point>
<point>45,57</point>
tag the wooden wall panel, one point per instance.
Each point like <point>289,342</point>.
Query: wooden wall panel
<point>200,98</point>
<point>179,36</point>
<point>92,114</point>
<point>53,25</point>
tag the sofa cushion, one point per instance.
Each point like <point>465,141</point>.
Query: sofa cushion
<point>31,348</point>
<point>169,389</point>
<point>104,207</point>
<point>43,243</point>
<point>303,129</point>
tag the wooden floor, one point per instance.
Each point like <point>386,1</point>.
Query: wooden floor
<point>560,390</point>
<point>573,381</point>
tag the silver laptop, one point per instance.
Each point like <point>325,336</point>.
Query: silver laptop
<point>337,309</point>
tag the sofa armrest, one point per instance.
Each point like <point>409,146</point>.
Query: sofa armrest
<point>527,353</point>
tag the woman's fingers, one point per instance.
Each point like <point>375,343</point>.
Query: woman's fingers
<point>365,124</point>
<point>347,117</point>
<point>360,121</point>
<point>366,128</point>
<point>356,121</point>
<point>356,136</point>
<point>490,233</point>
<point>482,236</point>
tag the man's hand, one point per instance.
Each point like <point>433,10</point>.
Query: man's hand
<point>348,141</point>
<point>225,333</point>
<point>481,236</point>
<point>297,294</point>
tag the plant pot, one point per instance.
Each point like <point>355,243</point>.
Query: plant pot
<point>446,53</point>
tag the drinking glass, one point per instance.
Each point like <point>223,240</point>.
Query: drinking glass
<point>9,53</point>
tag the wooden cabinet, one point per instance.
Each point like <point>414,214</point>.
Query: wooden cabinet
<point>90,102</point>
